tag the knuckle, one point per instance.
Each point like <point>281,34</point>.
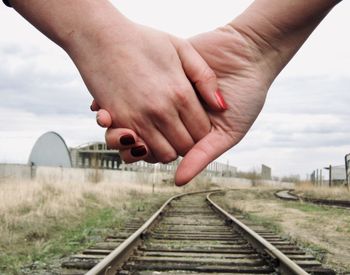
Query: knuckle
<point>157,110</point>
<point>207,75</point>
<point>181,95</point>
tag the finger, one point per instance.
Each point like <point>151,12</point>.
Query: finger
<point>127,157</point>
<point>193,115</point>
<point>203,153</point>
<point>160,147</point>
<point>124,139</point>
<point>176,133</point>
<point>203,77</point>
<point>156,149</point>
<point>94,106</point>
<point>103,118</point>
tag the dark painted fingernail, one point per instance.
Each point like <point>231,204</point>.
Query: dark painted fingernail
<point>91,108</point>
<point>138,151</point>
<point>127,140</point>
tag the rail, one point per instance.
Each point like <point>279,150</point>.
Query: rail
<point>278,261</point>
<point>283,263</point>
<point>111,263</point>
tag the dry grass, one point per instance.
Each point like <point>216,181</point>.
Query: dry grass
<point>42,220</point>
<point>325,230</point>
<point>34,202</point>
<point>307,189</point>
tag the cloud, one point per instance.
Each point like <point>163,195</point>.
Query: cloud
<point>304,125</point>
<point>20,129</point>
<point>41,83</point>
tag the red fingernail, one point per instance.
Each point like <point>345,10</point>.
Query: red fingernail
<point>220,100</point>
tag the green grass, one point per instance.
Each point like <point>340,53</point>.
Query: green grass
<point>42,245</point>
<point>39,246</point>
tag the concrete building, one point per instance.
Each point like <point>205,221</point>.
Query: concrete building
<point>95,155</point>
<point>266,173</point>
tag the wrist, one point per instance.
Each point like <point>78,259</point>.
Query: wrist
<point>277,29</point>
<point>68,22</point>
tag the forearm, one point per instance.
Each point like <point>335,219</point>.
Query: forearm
<point>68,23</point>
<point>278,28</point>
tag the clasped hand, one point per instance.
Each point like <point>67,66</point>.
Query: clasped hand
<point>240,73</point>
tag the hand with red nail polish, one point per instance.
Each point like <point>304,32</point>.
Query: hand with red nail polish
<point>242,93</point>
<point>246,56</point>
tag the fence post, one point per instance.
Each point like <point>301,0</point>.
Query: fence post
<point>330,175</point>
<point>347,170</point>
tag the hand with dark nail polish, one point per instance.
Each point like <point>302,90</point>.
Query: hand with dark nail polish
<point>127,140</point>
<point>138,151</point>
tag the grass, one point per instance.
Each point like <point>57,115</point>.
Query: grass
<point>41,222</point>
<point>307,189</point>
<point>322,230</point>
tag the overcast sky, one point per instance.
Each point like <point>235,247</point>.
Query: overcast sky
<point>304,124</point>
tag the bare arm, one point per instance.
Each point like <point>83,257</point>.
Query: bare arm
<point>278,28</point>
<point>140,75</point>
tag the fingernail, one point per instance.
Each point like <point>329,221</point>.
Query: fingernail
<point>91,108</point>
<point>220,100</point>
<point>98,121</point>
<point>127,140</point>
<point>138,151</point>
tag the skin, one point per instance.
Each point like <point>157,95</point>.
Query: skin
<point>144,78</point>
<point>246,55</point>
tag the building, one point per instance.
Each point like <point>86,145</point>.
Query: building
<point>95,155</point>
<point>266,172</point>
<point>50,150</point>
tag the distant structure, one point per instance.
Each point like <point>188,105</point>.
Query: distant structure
<point>221,169</point>
<point>347,169</point>
<point>95,155</point>
<point>266,173</point>
<point>50,150</point>
<point>337,174</point>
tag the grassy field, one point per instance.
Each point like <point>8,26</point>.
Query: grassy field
<point>43,222</point>
<point>324,231</point>
<point>335,193</point>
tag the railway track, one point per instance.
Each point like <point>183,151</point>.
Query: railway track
<point>289,195</point>
<point>191,234</point>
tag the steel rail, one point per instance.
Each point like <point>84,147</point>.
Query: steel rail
<point>113,261</point>
<point>283,263</point>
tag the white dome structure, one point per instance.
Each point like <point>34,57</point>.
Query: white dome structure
<point>50,150</point>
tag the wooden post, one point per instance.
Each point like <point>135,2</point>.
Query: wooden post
<point>330,175</point>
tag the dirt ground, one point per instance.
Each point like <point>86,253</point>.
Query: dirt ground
<point>324,231</point>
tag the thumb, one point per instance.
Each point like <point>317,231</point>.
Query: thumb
<point>202,153</point>
<point>203,77</point>
<point>103,118</point>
